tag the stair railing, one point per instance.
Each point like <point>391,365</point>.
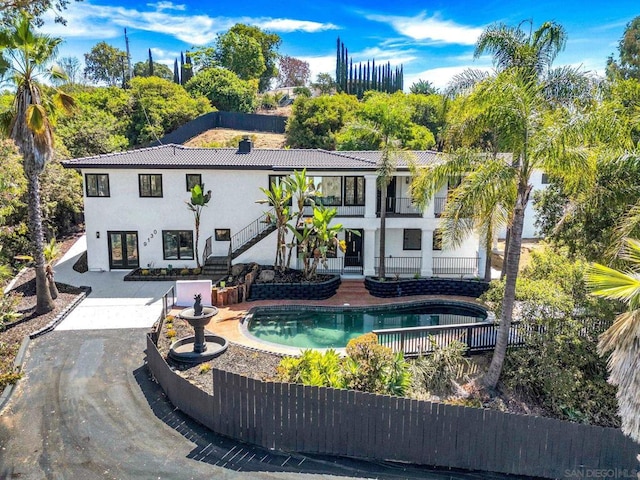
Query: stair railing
<point>251,231</point>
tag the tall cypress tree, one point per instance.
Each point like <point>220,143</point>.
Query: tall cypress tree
<point>181,68</point>
<point>188,69</point>
<point>150,64</point>
<point>176,72</point>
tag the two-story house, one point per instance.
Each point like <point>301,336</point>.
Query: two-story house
<point>136,216</point>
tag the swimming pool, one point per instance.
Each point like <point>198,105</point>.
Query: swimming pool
<point>333,327</point>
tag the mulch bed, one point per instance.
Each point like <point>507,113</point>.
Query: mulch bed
<point>12,334</point>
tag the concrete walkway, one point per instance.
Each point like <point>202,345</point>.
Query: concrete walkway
<point>113,303</point>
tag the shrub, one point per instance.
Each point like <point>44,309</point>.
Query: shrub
<point>436,373</point>
<point>8,375</point>
<point>371,367</point>
<point>312,368</point>
<point>8,306</point>
<point>204,368</point>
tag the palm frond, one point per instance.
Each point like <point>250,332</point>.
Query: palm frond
<point>607,282</point>
<point>464,82</point>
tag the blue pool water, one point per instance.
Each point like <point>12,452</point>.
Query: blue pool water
<point>315,327</point>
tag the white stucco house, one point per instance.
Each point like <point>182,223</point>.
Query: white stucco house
<point>136,216</point>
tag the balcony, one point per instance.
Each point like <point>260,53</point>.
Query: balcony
<point>401,207</point>
<point>438,205</point>
<point>343,210</point>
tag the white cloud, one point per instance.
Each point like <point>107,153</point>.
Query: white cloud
<point>167,6</point>
<point>320,64</point>
<point>384,55</point>
<point>439,77</point>
<point>87,20</point>
<point>287,25</point>
<point>433,28</point>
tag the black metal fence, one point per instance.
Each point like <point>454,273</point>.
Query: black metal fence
<point>338,266</point>
<point>456,265</point>
<point>233,120</point>
<point>400,265</point>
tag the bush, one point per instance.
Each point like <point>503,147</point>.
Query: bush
<point>436,373</point>
<point>559,368</point>
<point>8,306</point>
<point>312,368</point>
<point>371,367</point>
<point>224,90</point>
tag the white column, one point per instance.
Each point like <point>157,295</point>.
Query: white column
<point>429,209</point>
<point>369,252</point>
<point>371,196</point>
<point>427,253</point>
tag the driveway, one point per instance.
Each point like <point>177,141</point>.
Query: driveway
<point>87,409</point>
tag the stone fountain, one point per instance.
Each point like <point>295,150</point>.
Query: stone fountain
<point>200,347</point>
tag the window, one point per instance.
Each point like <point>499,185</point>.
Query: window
<point>545,179</point>
<point>150,184</point>
<point>277,179</point>
<point>177,244</point>
<point>412,239</point>
<point>97,184</point>
<point>437,239</point>
<point>329,190</point>
<point>193,179</point>
<point>354,191</point>
<point>223,234</point>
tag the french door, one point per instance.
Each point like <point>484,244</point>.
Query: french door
<point>123,250</point>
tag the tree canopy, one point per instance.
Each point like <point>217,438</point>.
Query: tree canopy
<point>269,44</point>
<point>240,53</point>
<point>224,90</point>
<point>293,72</point>
<point>106,64</point>
<point>141,69</point>
<point>628,65</point>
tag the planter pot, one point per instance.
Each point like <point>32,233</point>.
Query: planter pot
<point>425,286</point>
<point>295,291</point>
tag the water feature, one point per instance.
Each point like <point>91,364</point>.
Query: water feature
<point>200,347</point>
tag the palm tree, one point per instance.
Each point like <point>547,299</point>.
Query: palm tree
<point>480,204</point>
<point>537,115</point>
<point>382,121</point>
<point>622,339</point>
<point>197,202</point>
<point>26,56</point>
<point>301,188</point>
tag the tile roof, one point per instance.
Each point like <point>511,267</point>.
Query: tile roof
<point>178,157</point>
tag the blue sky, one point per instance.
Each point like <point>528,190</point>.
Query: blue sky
<point>433,40</point>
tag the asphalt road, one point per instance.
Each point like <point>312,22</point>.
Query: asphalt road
<point>87,409</point>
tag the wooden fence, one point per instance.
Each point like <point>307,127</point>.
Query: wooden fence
<point>331,421</point>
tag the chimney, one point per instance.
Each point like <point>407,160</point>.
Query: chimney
<point>245,145</point>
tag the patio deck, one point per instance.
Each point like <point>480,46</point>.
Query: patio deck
<point>350,293</point>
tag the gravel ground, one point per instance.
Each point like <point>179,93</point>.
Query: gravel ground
<point>237,359</point>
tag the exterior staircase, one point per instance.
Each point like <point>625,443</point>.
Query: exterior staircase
<point>216,267</point>
<point>242,241</point>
